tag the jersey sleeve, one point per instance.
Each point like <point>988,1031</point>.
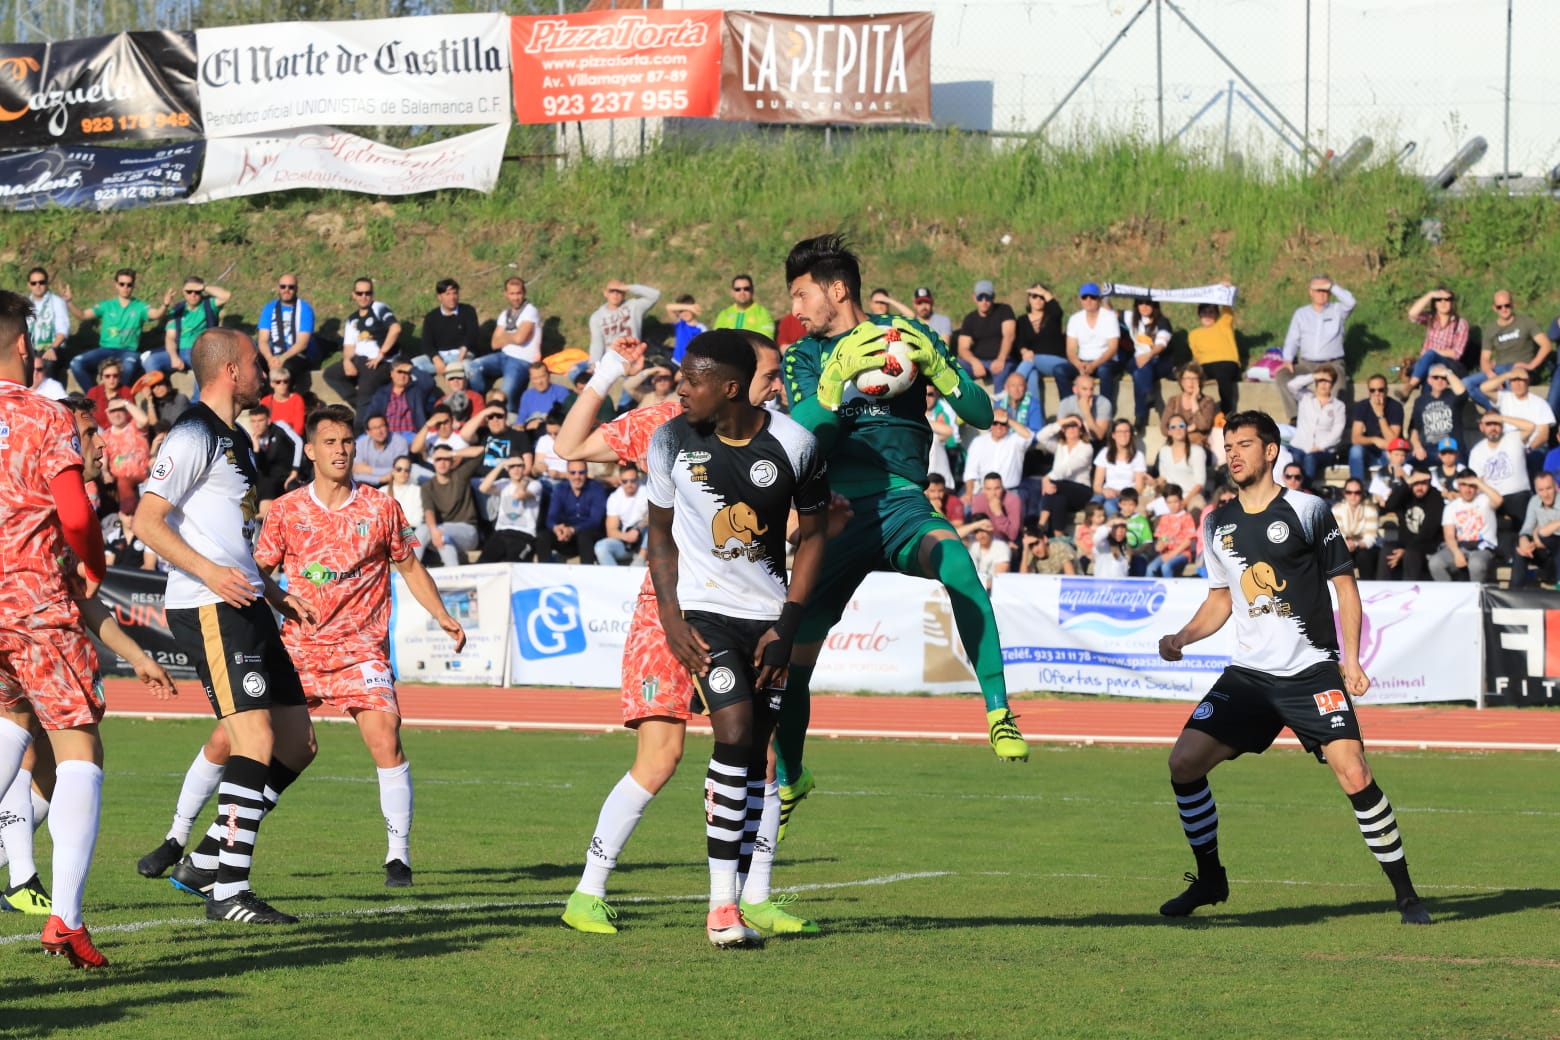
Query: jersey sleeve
<point>1218,577</point>
<point>811,494</point>
<point>402,538</point>
<point>629,434</point>
<point>61,447</point>
<point>182,462</point>
<point>802,364</point>
<point>659,461</point>
<point>1322,530</point>
<point>271,547</point>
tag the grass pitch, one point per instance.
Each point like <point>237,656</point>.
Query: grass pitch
<point>959,897</point>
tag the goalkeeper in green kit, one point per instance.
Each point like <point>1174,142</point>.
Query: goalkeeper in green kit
<point>877,451</point>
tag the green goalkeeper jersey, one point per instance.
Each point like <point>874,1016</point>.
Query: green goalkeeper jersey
<point>876,444</point>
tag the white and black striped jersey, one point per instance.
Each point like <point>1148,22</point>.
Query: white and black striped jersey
<point>730,502</point>
<point>206,471</point>
<point>1277,565</point>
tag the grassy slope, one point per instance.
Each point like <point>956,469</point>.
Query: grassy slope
<point>1031,912</point>
<point>923,208</point>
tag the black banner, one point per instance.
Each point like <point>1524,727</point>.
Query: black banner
<point>1521,648</point>
<point>137,86</point>
<point>89,177</point>
<point>136,599</point>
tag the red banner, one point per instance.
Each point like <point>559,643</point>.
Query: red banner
<point>615,64</point>
<point>791,69</point>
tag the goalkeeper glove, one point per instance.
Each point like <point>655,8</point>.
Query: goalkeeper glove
<point>928,358</point>
<point>860,350</point>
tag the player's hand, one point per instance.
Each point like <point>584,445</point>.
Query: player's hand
<point>1355,680</point>
<point>840,513</point>
<point>772,658</point>
<point>860,350</point>
<point>158,682</point>
<point>454,631</point>
<point>933,365</point>
<point>690,649</point>
<point>629,348</point>
<point>296,609</point>
<point>1170,646</point>
<point>231,586</point>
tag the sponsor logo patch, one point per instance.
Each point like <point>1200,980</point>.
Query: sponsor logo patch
<point>1329,701</point>
<point>163,470</point>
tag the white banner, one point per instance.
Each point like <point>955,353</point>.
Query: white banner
<point>897,636</point>
<point>1093,635</point>
<point>1223,295</point>
<point>435,70</point>
<point>321,157</point>
<point>570,623</point>
<point>421,651</point>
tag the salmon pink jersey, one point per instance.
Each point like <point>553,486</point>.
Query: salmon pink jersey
<point>629,435</point>
<point>338,561</point>
<point>38,442</point>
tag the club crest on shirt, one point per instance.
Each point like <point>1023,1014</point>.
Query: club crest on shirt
<point>1278,532</point>
<point>763,473</point>
<point>1261,586</point>
<point>737,523</point>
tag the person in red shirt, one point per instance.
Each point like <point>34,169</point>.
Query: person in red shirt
<point>110,385</point>
<point>337,541</point>
<point>285,405</point>
<point>48,668</point>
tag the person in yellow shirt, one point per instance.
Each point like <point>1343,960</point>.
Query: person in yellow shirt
<point>1213,348</point>
<point>745,313</point>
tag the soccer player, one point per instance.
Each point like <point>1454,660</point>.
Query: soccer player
<point>657,691</point>
<point>25,805</point>
<point>198,513</point>
<point>723,478</point>
<point>336,541</point>
<point>1271,552</point>
<point>877,458</point>
<point>48,668</point>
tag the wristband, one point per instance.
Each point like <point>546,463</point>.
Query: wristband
<point>608,371</point>
<point>790,620</point>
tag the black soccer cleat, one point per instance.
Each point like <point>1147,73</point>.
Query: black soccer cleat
<point>1212,888</point>
<point>1413,910</point>
<point>246,908</point>
<point>156,862</point>
<point>398,874</point>
<point>187,877</point>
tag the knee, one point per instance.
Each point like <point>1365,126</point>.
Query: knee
<point>653,768</point>
<point>1185,768</point>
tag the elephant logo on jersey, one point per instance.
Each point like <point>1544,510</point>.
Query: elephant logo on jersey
<point>737,523</point>
<point>1259,582</point>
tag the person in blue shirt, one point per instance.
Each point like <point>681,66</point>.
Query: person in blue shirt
<point>286,333</point>
<point>576,518</point>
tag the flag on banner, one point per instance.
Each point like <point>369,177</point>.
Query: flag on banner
<point>616,64</point>
<point>323,157</point>
<point>791,69</point>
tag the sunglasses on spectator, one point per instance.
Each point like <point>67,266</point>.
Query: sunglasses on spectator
<point>400,469</point>
<point>1378,389</point>
<point>1292,476</point>
<point>280,380</point>
<point>1441,378</point>
<point>576,473</point>
<point>287,285</point>
<point>126,285</point>
<point>1503,306</point>
<point>1329,382</point>
<point>1353,491</point>
<point>400,371</point>
<point>194,292</point>
<point>1442,299</point>
<point>741,288</point>
<point>1089,296</point>
<point>362,292</point>
<point>37,281</point>
<point>1033,296</point>
<point>985,296</point>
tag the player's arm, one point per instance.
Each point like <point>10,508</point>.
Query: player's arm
<point>420,584</point>
<point>100,622</point>
<point>965,396</point>
<point>151,526</point>
<point>773,657</point>
<point>1210,617</point>
<point>1350,614</point>
<point>801,367</point>
<point>690,649</point>
<point>79,524</point>
<point>578,438</point>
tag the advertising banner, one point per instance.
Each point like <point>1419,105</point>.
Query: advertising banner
<point>1521,648</point>
<point>897,635</point>
<point>135,597</point>
<point>135,86</point>
<point>421,651</point>
<point>570,623</point>
<point>1094,635</point>
<point>616,64</point>
<point>321,157</point>
<point>790,69</point>
<point>434,70</point>
<point>89,177</point>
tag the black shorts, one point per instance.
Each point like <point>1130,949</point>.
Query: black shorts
<point>238,655</point>
<point>732,677</point>
<point>1247,709</point>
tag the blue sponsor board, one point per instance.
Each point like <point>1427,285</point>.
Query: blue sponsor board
<point>548,622</point>
<point>99,178</point>
<point>1109,608</point>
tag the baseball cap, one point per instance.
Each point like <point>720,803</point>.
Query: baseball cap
<point>1397,444</point>
<point>1446,444</point>
<point>535,417</point>
<point>1089,289</point>
<point>984,287</point>
<point>457,369</point>
<point>922,293</point>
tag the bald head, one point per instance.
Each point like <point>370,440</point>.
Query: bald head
<point>215,348</point>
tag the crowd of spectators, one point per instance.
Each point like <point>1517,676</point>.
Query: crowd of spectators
<point>1446,473</point>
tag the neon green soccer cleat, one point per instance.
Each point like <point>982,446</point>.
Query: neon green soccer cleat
<point>27,898</point>
<point>771,918</point>
<point>1006,740</point>
<point>791,796</point>
<point>587,913</point>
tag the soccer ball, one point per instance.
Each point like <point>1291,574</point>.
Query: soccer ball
<point>898,373</point>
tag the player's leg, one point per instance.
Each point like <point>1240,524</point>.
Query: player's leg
<point>22,811</point>
<point>200,783</point>
<point>656,693</point>
<point>1377,822</point>
<point>766,913</point>
<point>381,732</point>
<point>940,554</point>
<point>1193,757</point>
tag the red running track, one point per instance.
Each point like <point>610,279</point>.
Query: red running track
<point>919,718</point>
